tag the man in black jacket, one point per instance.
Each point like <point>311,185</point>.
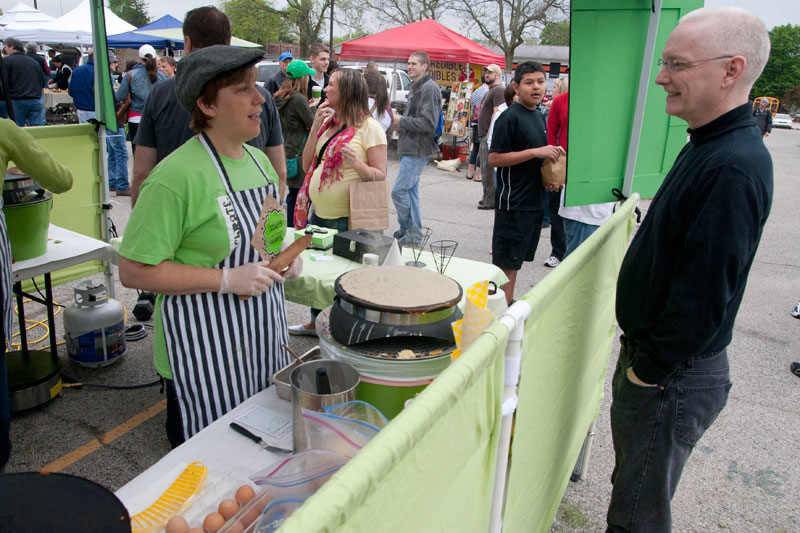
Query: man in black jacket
<point>683,277</point>
<point>26,81</point>
<point>763,116</point>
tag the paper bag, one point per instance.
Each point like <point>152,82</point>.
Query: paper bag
<point>554,175</point>
<point>270,230</point>
<point>369,205</point>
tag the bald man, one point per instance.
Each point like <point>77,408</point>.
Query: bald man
<point>684,275</point>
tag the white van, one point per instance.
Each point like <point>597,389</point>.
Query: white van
<point>399,83</point>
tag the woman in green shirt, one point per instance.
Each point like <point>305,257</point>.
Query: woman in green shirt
<point>188,239</point>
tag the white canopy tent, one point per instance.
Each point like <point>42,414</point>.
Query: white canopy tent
<point>74,27</point>
<point>23,13</point>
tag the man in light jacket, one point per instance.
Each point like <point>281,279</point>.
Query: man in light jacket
<point>417,129</point>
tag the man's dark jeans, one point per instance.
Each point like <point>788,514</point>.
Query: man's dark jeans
<point>655,430</point>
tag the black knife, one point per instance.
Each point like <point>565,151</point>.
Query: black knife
<point>258,440</point>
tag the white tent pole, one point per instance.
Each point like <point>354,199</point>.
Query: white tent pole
<point>644,84</point>
<point>514,319</point>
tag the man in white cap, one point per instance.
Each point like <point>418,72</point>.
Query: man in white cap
<point>684,275</point>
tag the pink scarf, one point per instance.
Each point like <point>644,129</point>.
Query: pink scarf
<point>331,172</point>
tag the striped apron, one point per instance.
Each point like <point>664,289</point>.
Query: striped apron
<point>6,292</point>
<point>221,349</point>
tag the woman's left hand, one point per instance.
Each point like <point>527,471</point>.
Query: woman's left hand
<point>348,154</point>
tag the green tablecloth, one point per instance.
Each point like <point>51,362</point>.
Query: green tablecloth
<point>315,287</point>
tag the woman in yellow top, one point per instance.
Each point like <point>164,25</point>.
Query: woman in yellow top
<point>350,146</point>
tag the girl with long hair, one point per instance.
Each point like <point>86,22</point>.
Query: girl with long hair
<point>378,101</point>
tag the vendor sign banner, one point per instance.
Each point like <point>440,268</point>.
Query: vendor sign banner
<point>446,73</point>
<point>565,352</point>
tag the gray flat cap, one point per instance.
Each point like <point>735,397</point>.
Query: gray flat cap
<point>201,66</point>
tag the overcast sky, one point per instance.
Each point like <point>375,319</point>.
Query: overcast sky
<point>772,12</point>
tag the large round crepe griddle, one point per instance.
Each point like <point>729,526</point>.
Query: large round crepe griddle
<point>394,301</point>
<point>399,289</point>
<point>34,501</point>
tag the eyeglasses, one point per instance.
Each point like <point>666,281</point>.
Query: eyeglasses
<point>676,66</point>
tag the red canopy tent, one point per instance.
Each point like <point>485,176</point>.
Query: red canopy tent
<point>441,44</point>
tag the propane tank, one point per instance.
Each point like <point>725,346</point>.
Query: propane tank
<point>94,326</point>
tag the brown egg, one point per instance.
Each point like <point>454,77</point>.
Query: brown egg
<point>177,524</point>
<point>244,494</point>
<point>213,522</point>
<point>196,530</point>
<point>228,508</point>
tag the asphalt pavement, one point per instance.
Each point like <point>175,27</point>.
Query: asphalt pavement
<point>743,475</point>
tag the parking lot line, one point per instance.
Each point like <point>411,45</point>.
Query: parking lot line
<point>110,436</point>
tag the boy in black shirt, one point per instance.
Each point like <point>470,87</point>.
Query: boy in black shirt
<point>519,147</point>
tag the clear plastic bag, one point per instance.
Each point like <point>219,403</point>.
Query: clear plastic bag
<point>335,436</point>
<point>302,472</point>
<point>344,428</point>
<point>361,411</point>
<point>278,511</point>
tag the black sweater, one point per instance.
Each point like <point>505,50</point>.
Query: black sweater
<point>25,77</point>
<point>683,277</point>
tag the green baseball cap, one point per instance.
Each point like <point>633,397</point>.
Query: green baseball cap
<point>298,68</point>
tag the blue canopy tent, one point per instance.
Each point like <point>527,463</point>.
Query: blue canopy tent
<point>135,39</point>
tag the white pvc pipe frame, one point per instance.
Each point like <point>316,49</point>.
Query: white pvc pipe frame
<point>514,319</point>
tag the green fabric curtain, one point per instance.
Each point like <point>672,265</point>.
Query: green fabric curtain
<point>565,353</point>
<point>432,468</point>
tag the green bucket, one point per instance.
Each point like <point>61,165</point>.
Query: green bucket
<point>388,397</point>
<point>27,227</point>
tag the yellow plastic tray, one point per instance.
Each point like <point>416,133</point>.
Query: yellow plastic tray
<point>175,499</point>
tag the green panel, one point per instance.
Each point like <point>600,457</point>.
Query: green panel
<point>75,146</point>
<point>606,52</point>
